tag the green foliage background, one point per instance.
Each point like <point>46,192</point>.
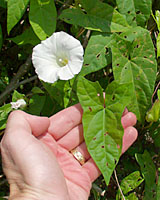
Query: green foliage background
<point>122,47</point>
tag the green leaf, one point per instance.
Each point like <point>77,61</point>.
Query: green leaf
<point>133,61</point>
<point>59,91</point>
<point>1,37</point>
<point>96,16</point>
<point>158,19</point>
<point>129,183</point>
<point>97,55</point>
<point>42,17</point>
<point>16,95</point>
<point>103,131</point>
<point>158,93</point>
<point>27,37</point>
<point>15,11</point>
<point>154,113</point>
<point>36,104</point>
<point>149,173</point>
<point>136,11</point>
<point>37,90</point>
<point>131,196</point>
<point>4,112</point>
<point>158,45</point>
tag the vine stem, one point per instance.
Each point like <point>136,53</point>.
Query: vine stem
<point>15,80</point>
<point>115,174</point>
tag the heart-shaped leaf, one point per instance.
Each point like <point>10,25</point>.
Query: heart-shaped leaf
<point>103,131</point>
<point>133,61</point>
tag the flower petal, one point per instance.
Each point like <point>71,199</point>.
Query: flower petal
<point>48,74</point>
<point>75,66</point>
<point>65,73</point>
<point>66,42</point>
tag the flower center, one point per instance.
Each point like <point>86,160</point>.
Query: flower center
<point>62,62</point>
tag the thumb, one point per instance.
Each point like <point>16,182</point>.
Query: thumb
<point>31,123</point>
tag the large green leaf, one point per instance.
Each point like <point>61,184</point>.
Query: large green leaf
<point>97,55</point>
<point>15,11</point>
<point>149,173</point>
<point>1,37</point>
<point>129,183</point>
<point>103,131</point>
<point>42,17</point>
<point>96,16</point>
<point>136,11</point>
<point>134,62</point>
<point>27,37</point>
<point>36,104</point>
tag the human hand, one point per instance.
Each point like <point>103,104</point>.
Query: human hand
<point>37,159</point>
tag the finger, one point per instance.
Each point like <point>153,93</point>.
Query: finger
<point>72,139</point>
<point>82,148</point>
<point>92,170</point>
<point>65,120</point>
<point>125,111</point>
<point>128,119</point>
<point>130,135</point>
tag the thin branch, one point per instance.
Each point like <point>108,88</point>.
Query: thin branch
<point>115,174</point>
<point>28,80</point>
<point>15,80</point>
<point>64,6</point>
<point>85,42</point>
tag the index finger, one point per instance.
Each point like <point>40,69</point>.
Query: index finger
<point>65,120</point>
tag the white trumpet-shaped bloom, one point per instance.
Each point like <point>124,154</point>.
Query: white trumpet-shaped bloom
<point>58,57</point>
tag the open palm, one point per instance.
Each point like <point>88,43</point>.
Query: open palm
<point>37,159</point>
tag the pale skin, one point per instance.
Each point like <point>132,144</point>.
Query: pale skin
<point>36,155</point>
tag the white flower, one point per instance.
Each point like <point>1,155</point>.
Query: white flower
<point>18,104</point>
<point>58,57</point>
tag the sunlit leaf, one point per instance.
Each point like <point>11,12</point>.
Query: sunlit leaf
<point>16,96</point>
<point>158,45</point>
<point>42,17</point>
<point>103,131</point>
<point>149,173</point>
<point>4,112</point>
<point>15,11</point>
<point>97,16</point>
<point>129,183</point>
<point>158,19</point>
<point>137,12</point>
<point>97,55</point>
<point>133,61</point>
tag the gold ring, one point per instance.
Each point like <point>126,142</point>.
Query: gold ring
<point>78,156</point>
